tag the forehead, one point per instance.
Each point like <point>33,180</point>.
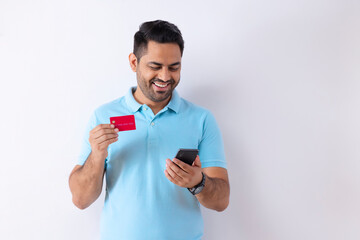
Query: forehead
<point>164,53</point>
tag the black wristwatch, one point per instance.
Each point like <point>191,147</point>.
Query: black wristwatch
<point>198,188</point>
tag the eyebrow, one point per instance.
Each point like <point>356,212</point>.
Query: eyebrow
<point>159,64</point>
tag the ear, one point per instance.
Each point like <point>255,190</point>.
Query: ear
<point>133,61</point>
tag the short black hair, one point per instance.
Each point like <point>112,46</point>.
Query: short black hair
<point>158,31</point>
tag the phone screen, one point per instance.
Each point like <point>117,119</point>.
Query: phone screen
<point>187,155</point>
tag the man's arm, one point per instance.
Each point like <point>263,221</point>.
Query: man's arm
<point>215,195</point>
<point>86,181</point>
<point>216,192</point>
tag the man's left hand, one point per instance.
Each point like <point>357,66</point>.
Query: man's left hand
<point>183,174</point>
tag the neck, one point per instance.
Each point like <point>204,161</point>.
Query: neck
<point>155,106</point>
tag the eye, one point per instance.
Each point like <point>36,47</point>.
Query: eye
<point>155,68</point>
<point>173,69</point>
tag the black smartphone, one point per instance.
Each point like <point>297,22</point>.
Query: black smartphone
<point>187,155</point>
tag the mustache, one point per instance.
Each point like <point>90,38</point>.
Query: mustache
<point>171,81</point>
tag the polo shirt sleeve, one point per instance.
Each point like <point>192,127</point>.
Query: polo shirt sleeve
<point>211,147</point>
<point>85,146</point>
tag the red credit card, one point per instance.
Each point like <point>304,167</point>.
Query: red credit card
<point>124,123</point>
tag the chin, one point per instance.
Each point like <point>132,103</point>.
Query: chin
<point>165,96</point>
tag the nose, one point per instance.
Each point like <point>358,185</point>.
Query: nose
<point>164,74</point>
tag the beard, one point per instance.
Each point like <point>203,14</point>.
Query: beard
<point>148,90</point>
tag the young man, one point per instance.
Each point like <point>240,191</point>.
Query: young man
<point>149,196</point>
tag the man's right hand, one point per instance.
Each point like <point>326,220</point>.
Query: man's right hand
<point>101,137</point>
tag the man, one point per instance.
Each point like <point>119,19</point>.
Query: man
<point>149,196</point>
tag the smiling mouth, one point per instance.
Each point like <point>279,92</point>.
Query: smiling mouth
<point>161,85</point>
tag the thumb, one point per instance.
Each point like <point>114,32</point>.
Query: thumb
<point>197,162</point>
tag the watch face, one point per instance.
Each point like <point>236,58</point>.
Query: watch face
<point>198,189</point>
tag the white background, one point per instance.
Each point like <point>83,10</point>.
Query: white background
<point>281,77</point>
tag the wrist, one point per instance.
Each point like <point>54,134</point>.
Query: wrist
<point>98,157</point>
<point>199,187</point>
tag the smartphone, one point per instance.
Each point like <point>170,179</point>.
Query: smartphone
<point>187,155</point>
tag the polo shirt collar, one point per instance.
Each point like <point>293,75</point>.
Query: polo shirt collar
<point>131,102</point>
<point>175,101</point>
<point>134,106</point>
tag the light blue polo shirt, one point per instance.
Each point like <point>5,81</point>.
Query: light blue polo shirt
<point>141,203</point>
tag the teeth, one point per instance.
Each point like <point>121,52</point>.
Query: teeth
<point>159,85</point>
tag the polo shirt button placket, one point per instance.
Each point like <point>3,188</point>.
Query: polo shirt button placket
<point>152,135</point>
